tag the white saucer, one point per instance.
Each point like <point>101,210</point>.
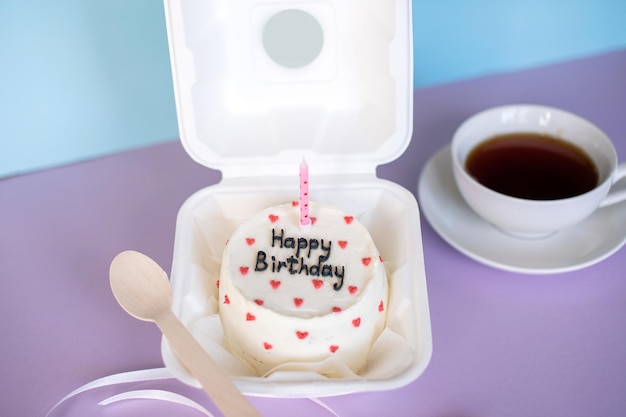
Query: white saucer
<point>591,241</point>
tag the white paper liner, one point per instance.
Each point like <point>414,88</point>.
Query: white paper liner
<point>387,210</point>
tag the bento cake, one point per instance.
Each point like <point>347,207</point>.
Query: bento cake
<point>290,296</point>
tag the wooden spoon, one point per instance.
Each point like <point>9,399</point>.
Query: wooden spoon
<point>143,290</point>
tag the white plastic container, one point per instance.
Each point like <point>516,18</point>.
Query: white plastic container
<point>245,107</point>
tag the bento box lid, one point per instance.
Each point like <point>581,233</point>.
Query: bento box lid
<point>260,85</point>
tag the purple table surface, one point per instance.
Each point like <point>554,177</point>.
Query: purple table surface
<point>505,344</point>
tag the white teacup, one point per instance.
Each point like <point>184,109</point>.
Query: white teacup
<point>536,218</point>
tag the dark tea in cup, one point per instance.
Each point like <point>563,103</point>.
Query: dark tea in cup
<point>532,166</point>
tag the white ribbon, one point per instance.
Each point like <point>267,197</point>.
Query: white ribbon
<point>147,375</point>
<point>121,378</point>
<point>324,406</point>
<point>161,395</point>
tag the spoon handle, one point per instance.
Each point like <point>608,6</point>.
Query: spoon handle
<point>224,393</point>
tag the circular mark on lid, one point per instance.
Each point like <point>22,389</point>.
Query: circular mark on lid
<point>293,38</point>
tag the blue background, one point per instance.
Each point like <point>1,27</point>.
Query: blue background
<point>85,78</point>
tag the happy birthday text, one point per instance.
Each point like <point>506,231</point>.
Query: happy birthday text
<point>303,250</point>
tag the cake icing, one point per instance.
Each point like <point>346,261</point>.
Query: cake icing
<point>288,295</point>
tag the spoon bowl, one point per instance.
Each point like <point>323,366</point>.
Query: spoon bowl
<point>145,296</point>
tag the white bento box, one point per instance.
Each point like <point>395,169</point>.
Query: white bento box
<point>259,86</point>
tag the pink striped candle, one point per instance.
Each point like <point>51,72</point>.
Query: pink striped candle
<point>305,221</point>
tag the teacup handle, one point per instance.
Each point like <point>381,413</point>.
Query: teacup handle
<point>615,196</point>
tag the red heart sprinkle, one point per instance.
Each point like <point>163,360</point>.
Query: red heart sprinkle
<point>317,283</point>
<point>381,306</point>
<point>217,283</point>
<point>356,322</point>
<point>313,220</point>
<point>298,301</point>
<point>250,241</point>
<point>336,309</point>
<point>343,244</point>
<point>295,203</point>
<point>334,348</point>
<point>226,299</point>
<point>302,335</point>
<point>267,346</point>
<point>259,302</point>
<point>275,284</point>
<point>243,270</point>
<point>250,317</point>
<point>366,261</point>
<point>273,218</point>
<point>352,289</point>
<point>348,219</point>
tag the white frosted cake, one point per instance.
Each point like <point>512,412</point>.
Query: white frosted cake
<point>288,295</point>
